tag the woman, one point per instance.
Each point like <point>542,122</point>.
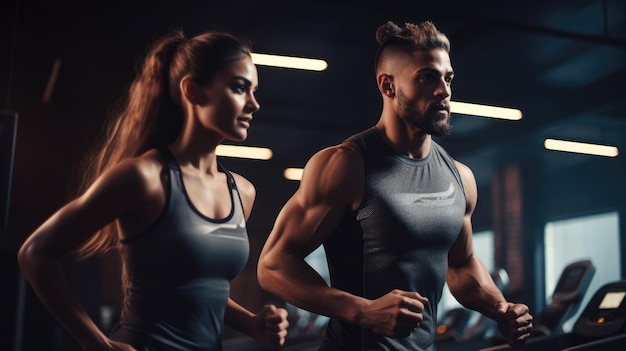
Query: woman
<point>156,193</point>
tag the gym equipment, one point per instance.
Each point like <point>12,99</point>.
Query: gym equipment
<point>566,300</point>
<point>452,325</point>
<point>462,324</point>
<point>601,325</point>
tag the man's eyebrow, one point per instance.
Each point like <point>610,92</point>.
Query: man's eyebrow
<point>427,69</point>
<point>433,70</point>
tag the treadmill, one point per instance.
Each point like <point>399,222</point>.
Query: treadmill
<point>566,300</point>
<point>462,324</point>
<point>601,325</point>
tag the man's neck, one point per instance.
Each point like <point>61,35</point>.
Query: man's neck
<point>407,141</point>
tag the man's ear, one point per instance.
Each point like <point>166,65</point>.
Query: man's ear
<point>385,85</point>
<point>189,90</point>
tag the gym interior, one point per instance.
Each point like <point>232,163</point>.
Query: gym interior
<point>550,225</point>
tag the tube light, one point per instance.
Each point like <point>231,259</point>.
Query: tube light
<point>289,62</point>
<point>293,173</point>
<point>485,110</point>
<point>256,153</point>
<point>581,148</point>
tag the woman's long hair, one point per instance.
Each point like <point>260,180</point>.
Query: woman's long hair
<point>152,115</point>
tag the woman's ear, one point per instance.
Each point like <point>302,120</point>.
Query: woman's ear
<point>189,90</point>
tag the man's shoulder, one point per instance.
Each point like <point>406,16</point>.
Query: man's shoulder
<point>345,152</point>
<point>335,172</point>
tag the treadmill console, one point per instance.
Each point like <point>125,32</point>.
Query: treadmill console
<point>605,314</point>
<point>566,298</point>
<point>574,281</point>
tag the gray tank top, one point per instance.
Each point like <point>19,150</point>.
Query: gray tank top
<point>411,213</point>
<point>179,273</point>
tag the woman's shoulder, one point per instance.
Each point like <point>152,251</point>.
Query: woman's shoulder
<point>138,171</point>
<point>245,187</point>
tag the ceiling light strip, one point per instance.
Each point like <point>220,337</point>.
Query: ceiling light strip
<point>581,148</point>
<point>255,153</point>
<point>293,173</point>
<point>289,62</point>
<point>485,111</point>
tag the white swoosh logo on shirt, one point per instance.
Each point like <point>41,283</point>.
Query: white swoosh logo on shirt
<point>440,198</point>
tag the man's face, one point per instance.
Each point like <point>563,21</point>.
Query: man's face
<point>423,91</point>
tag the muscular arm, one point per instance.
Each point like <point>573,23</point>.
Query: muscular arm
<point>331,184</point>
<point>470,282</point>
<point>326,191</point>
<point>62,234</point>
<point>468,279</point>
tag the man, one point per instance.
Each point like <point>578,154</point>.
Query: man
<point>393,211</point>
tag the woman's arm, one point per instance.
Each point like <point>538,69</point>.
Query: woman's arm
<point>110,197</point>
<point>269,326</point>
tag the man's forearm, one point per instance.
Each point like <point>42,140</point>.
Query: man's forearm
<point>474,288</point>
<point>294,281</point>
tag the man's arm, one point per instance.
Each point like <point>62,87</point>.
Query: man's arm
<point>470,282</point>
<point>332,183</point>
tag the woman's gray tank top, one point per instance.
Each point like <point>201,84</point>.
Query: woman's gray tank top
<point>179,272</point>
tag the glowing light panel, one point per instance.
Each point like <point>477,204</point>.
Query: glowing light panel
<point>581,148</point>
<point>289,62</point>
<point>293,173</point>
<point>256,153</point>
<point>485,110</point>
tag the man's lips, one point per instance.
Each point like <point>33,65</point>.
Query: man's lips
<point>440,108</point>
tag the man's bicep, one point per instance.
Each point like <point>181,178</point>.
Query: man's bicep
<point>303,225</point>
<point>462,249</point>
<point>317,207</point>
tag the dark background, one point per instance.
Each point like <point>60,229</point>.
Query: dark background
<point>562,62</point>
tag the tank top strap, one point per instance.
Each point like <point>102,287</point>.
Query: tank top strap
<point>172,165</point>
<point>231,180</point>
<point>232,185</point>
<point>168,158</point>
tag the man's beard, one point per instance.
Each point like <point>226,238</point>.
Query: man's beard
<point>434,126</point>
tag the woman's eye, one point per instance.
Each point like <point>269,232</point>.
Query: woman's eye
<point>239,88</point>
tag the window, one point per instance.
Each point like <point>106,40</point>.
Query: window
<point>307,323</point>
<point>591,237</point>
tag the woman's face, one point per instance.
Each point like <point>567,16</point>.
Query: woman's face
<point>227,105</point>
